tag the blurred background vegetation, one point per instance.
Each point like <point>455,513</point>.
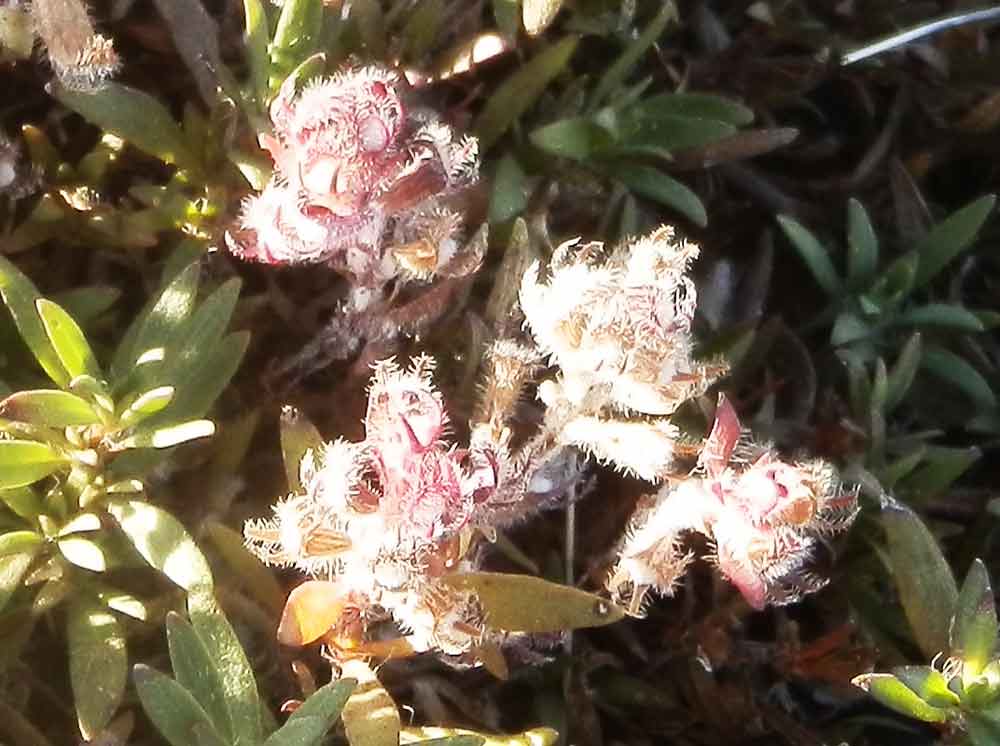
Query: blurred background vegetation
<point>844,203</point>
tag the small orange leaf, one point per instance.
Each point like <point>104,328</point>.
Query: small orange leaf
<point>311,609</point>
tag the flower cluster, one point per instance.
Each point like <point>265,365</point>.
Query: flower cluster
<point>389,516</point>
<point>618,327</point>
<point>764,516</point>
<point>359,181</point>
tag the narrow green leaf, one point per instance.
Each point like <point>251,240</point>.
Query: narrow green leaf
<point>314,717</point>
<point>170,435</point>
<point>85,553</point>
<point>862,245</point>
<point>524,603</point>
<point>422,29</point>
<point>86,304</point>
<point>983,731</point>
<point>510,190</point>
<point>224,648</point>
<point>295,37</point>
<point>950,237</point>
<point>927,683</point>
<point>146,405</point>
<point>98,664</point>
<point>24,462</point>
<point>20,295</point>
<point>948,366</point>
<point>578,138</point>
<point>974,626</point>
<point>371,717</point>
<point>163,542</point>
<point>927,589</point>
<point>848,327</point>
<point>813,254</point>
<point>48,408</point>
<point>942,466</point>
<point>255,39</point>
<point>620,69</point>
<point>67,340</point>
<point>538,14</point>
<point>895,695</point>
<point>519,92</point>
<point>195,670</point>
<point>667,134</point>
<point>23,501</point>
<point>701,106</point>
<point>18,542</point>
<point>258,579</point>
<point>651,183</point>
<point>894,285</point>
<point>298,435</point>
<point>125,603</point>
<point>12,570</point>
<point>156,324</point>
<point>195,35</point>
<point>172,708</point>
<point>941,314</point>
<point>903,371</point>
<point>134,116</point>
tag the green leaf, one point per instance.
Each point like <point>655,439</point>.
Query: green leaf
<point>163,542</point>
<point>538,14</point>
<point>903,371</point>
<point>258,579</point>
<point>974,626</point>
<point>650,182</point>
<point>895,695</point>
<point>295,38</point>
<point>948,366</point>
<point>813,254</point>
<point>298,435</point>
<point>256,39</point>
<point>158,322</point>
<point>314,717</point>
<point>134,116</point>
<point>224,649</point>
<point>20,296</point>
<point>951,237</point>
<point>146,405</point>
<point>510,190</point>
<point>982,731</point>
<point>578,138</point>
<point>519,92</point>
<point>941,314</point>
<point>195,670</point>
<point>172,708</point>
<point>523,603</point>
<point>24,462</point>
<point>893,286</point>
<point>85,553</point>
<point>48,408</point>
<point>370,715</point>
<point>698,106</point>
<point>86,304</point>
<point>170,435</point>
<point>620,69</point>
<point>927,683</point>
<point>98,664</point>
<point>18,542</point>
<point>848,327</point>
<point>67,340</point>
<point>941,468</point>
<point>12,570</point>
<point>927,589</point>
<point>667,134</point>
<point>862,245</point>
<point>422,29</point>
<point>23,501</point>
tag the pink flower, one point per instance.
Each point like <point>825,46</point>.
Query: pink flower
<point>354,167</point>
